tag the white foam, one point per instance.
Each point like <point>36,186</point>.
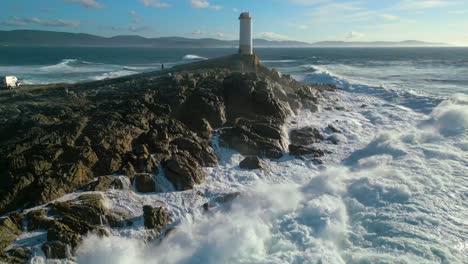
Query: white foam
<point>193,57</point>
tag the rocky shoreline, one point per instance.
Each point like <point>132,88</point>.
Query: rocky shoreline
<point>82,137</point>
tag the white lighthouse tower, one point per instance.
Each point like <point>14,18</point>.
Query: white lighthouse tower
<point>245,40</point>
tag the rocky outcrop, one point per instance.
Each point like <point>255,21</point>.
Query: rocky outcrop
<point>305,136</point>
<point>144,183</point>
<point>18,255</point>
<point>183,171</point>
<point>296,150</point>
<point>54,141</point>
<point>252,163</point>
<point>155,218</point>
<point>105,183</point>
<point>9,231</point>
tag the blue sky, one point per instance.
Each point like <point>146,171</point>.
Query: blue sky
<point>304,20</point>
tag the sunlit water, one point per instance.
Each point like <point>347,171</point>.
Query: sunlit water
<point>394,190</point>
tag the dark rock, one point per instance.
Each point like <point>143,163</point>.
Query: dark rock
<point>334,129</point>
<point>155,218</point>
<point>296,150</point>
<point>183,171</point>
<point>105,183</point>
<point>56,250</point>
<point>144,183</point>
<point>203,153</point>
<point>305,136</point>
<point>249,142</point>
<point>17,255</point>
<point>227,198</point>
<point>252,163</point>
<point>64,234</point>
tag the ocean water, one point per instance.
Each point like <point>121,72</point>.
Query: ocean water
<point>394,190</point>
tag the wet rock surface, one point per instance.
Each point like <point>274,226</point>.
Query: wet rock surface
<point>296,150</point>
<point>56,140</point>
<point>155,218</point>
<point>144,183</point>
<point>252,163</point>
<point>305,136</point>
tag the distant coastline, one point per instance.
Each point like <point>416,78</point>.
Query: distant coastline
<point>29,38</point>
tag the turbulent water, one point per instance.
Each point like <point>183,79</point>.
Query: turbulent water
<point>394,190</point>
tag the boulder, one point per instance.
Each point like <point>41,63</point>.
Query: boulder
<point>305,136</point>
<point>56,250</point>
<point>296,150</point>
<point>249,142</point>
<point>227,198</point>
<point>201,151</point>
<point>17,255</point>
<point>183,171</point>
<point>105,183</point>
<point>155,218</point>
<point>8,232</point>
<point>252,163</point>
<point>144,183</point>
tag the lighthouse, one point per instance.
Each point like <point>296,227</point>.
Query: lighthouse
<point>245,38</point>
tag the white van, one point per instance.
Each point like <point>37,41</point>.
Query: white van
<point>11,82</point>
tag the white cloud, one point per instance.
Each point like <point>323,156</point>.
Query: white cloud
<point>423,4</point>
<point>87,3</point>
<point>133,13</point>
<point>204,4</point>
<point>303,27</point>
<point>272,36</point>
<point>154,3</point>
<point>16,21</point>
<point>389,17</point>
<point>235,10</point>
<point>354,35</point>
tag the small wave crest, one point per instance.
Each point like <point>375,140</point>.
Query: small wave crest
<point>114,74</point>
<point>193,57</point>
<point>71,65</point>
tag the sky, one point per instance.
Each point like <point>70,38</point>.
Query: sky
<point>303,20</point>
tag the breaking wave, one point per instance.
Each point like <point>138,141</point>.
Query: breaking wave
<point>193,57</point>
<point>394,194</point>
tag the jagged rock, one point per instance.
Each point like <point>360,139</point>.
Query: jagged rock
<point>227,198</point>
<point>64,234</point>
<point>105,183</point>
<point>334,129</point>
<point>8,232</point>
<point>305,136</point>
<point>253,142</point>
<point>55,143</point>
<point>297,151</point>
<point>144,183</point>
<point>203,153</point>
<point>37,219</point>
<point>155,218</point>
<point>252,163</point>
<point>183,171</point>
<point>56,250</point>
<point>17,255</point>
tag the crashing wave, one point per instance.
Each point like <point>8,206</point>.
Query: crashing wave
<point>193,57</point>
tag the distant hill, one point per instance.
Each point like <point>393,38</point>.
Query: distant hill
<point>406,43</point>
<point>63,39</point>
